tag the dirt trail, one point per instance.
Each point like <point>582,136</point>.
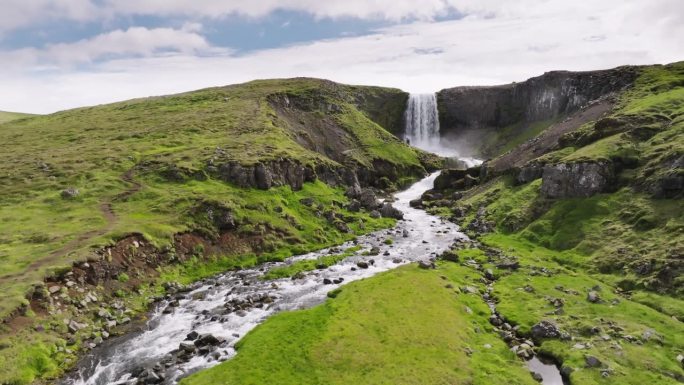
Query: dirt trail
<point>81,240</point>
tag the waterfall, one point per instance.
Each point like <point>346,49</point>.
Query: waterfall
<point>422,130</point>
<point>422,122</point>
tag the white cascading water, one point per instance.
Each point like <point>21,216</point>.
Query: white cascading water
<point>421,120</point>
<point>419,236</point>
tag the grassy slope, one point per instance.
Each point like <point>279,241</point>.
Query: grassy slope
<point>9,116</point>
<point>91,148</point>
<point>400,327</point>
<point>602,240</point>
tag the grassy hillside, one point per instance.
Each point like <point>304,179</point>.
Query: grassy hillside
<point>150,161</point>
<point>207,180</point>
<point>9,116</point>
<point>624,242</point>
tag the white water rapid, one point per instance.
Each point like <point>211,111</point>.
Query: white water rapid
<point>421,128</point>
<point>118,361</point>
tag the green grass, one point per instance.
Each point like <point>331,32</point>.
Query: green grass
<point>632,363</point>
<point>301,266</point>
<point>91,148</point>
<point>400,327</point>
<point>507,138</point>
<point>9,116</point>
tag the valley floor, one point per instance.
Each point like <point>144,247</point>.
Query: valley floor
<point>416,326</point>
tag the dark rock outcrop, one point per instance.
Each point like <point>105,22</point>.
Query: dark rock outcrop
<point>463,109</point>
<point>582,179</point>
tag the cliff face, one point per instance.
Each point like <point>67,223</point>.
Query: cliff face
<point>464,111</point>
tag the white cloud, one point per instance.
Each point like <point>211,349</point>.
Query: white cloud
<point>22,13</point>
<point>424,56</point>
<point>135,41</point>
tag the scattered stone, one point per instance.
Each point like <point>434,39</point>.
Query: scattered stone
<point>389,211</point>
<point>69,193</point>
<point>469,290</point>
<point>397,260</point>
<point>592,362</point>
<point>426,265</point>
<point>362,264</point>
<point>545,329</point>
<point>327,281</point>
<point>207,339</point>
<point>54,289</point>
<point>593,297</point>
<point>565,371</point>
<point>187,347</point>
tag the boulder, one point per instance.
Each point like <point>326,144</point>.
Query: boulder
<point>426,264</point>
<point>592,362</point>
<point>207,339</point>
<point>389,211</point>
<point>593,297</point>
<point>572,180</point>
<point>545,329</point>
<point>69,193</point>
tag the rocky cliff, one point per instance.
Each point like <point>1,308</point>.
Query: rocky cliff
<point>508,110</point>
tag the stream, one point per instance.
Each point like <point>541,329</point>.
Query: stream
<point>231,304</point>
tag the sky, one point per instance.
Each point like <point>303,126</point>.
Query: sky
<point>61,54</point>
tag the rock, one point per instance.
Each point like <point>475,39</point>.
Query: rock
<point>487,346</point>
<point>54,289</point>
<point>375,214</point>
<point>74,326</point>
<point>592,362</point>
<point>206,339</point>
<point>405,233</point>
<point>354,206</point>
<point>529,173</point>
<point>327,281</point>
<point>426,264</point>
<point>187,347</point>
<point>450,256</point>
<point>469,290</point>
<point>362,264</point>
<point>583,179</point>
<point>307,201</point>
<point>565,371</point>
<point>368,199</point>
<point>416,203</point>
<point>69,193</point>
<point>537,377</point>
<point>545,329</point>
<point>593,297</point>
<point>397,260</point>
<point>389,211</point>
<point>494,320</point>
<point>489,274</point>
<point>374,250</point>
<point>680,359</point>
<point>193,335</point>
